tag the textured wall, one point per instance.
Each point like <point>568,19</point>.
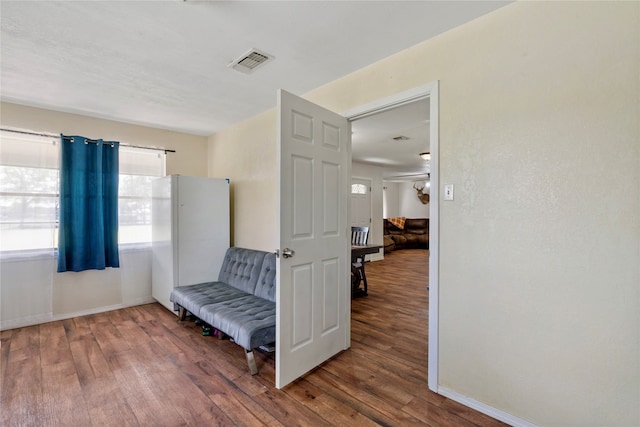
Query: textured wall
<point>190,157</point>
<point>410,205</point>
<point>391,205</point>
<point>539,131</point>
<point>246,153</point>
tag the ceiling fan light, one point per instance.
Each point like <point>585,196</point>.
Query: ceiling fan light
<point>425,156</point>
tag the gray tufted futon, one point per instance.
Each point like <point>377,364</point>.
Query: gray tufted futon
<point>240,304</point>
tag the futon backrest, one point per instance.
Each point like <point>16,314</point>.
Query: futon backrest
<point>242,268</point>
<point>266,286</point>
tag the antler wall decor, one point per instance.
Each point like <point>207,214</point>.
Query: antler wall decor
<point>424,198</point>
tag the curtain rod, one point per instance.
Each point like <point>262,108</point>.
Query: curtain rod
<point>57,136</point>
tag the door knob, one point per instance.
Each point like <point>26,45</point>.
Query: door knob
<point>288,253</point>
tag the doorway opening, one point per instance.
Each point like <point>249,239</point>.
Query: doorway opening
<point>405,109</point>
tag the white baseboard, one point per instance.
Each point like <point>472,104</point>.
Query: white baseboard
<point>485,409</point>
<point>25,321</point>
<point>379,256</point>
<point>49,317</point>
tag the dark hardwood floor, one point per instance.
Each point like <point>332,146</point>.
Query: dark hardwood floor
<point>139,366</point>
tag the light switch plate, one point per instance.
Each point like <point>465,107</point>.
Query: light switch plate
<point>448,192</point>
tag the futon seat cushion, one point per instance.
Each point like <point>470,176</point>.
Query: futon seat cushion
<point>194,297</point>
<point>241,270</point>
<point>249,320</point>
<point>241,304</point>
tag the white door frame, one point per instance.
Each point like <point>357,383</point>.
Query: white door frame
<point>429,91</point>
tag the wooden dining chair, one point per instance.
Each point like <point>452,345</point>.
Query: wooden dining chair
<point>359,237</point>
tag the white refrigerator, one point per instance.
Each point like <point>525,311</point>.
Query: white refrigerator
<point>190,232</point>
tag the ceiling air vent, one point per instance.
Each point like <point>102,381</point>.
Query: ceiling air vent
<point>250,61</point>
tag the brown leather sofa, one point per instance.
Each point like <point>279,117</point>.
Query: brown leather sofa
<point>415,234</point>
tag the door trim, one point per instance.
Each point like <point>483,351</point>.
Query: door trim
<point>430,91</point>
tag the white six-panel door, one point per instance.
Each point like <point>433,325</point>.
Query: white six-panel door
<point>313,292</point>
<point>360,202</point>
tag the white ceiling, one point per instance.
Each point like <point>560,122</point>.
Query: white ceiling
<point>373,141</point>
<point>164,63</point>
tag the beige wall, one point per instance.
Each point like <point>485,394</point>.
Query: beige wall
<point>190,157</point>
<point>410,204</point>
<point>539,256</point>
<point>246,153</point>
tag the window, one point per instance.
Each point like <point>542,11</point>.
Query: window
<point>358,189</point>
<point>29,185</point>
<point>28,191</point>
<point>138,168</point>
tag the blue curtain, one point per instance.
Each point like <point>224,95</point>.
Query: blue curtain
<point>88,234</point>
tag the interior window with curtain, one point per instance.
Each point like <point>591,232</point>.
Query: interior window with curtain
<point>29,194</point>
<point>88,227</point>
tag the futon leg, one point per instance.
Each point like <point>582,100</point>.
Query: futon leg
<point>182,314</point>
<point>252,362</point>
